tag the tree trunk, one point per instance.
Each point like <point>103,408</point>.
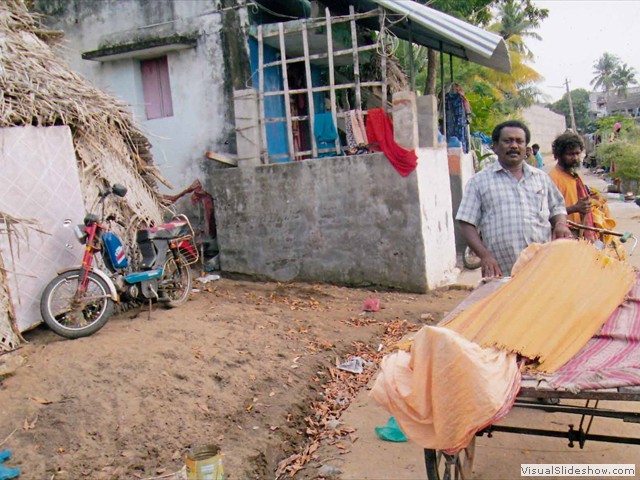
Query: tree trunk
<point>432,72</point>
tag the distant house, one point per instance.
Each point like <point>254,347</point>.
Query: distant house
<point>603,103</point>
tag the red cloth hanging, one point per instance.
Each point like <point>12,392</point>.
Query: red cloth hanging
<point>380,130</point>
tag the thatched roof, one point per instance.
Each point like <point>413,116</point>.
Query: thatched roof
<point>37,88</point>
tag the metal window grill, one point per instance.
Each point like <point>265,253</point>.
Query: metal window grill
<point>302,29</point>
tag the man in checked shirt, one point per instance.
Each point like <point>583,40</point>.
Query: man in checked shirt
<point>510,205</point>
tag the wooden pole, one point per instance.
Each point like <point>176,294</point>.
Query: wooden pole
<point>312,110</point>
<point>264,149</point>
<point>332,75</point>
<point>287,98</point>
<point>356,58</point>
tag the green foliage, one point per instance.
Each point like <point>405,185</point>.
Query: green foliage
<point>493,96</point>
<point>476,12</point>
<point>624,152</point>
<point>626,156</point>
<point>605,127</point>
<point>580,100</point>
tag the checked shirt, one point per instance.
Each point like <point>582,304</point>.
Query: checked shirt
<point>509,213</point>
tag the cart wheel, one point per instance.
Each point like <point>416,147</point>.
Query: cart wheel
<point>442,466</point>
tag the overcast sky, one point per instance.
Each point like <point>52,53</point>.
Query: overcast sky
<point>576,33</point>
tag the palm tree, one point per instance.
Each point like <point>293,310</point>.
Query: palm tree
<point>516,24</point>
<point>604,70</point>
<point>623,76</point>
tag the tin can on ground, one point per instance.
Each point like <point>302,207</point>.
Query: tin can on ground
<point>204,462</point>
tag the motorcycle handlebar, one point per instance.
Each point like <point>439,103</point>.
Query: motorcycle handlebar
<point>112,218</point>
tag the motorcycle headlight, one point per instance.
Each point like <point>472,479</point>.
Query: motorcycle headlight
<point>81,235</point>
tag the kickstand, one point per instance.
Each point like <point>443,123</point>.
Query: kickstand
<point>149,309</point>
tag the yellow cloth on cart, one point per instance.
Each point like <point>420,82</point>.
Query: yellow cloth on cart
<point>554,304</point>
<point>446,388</point>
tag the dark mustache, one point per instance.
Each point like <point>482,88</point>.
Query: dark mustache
<point>513,150</point>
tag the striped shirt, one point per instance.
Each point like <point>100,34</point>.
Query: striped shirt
<point>510,214</point>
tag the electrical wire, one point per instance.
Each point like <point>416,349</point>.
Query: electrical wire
<point>271,12</point>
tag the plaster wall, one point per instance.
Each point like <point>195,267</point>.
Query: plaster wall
<point>201,106</point>
<point>435,201</point>
<point>347,220</point>
<point>545,126</point>
<point>460,171</point>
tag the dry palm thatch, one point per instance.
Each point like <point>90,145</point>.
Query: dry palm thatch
<point>37,88</point>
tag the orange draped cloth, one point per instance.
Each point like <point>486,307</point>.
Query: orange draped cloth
<point>447,388</point>
<point>573,189</point>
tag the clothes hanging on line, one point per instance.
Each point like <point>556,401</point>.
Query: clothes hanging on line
<point>326,134</point>
<point>356,133</point>
<point>380,129</point>
<point>458,112</point>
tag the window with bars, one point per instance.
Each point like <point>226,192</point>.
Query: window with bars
<point>301,85</point>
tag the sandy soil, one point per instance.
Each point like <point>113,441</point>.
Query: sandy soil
<point>249,366</point>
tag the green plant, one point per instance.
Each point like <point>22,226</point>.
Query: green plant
<point>624,155</point>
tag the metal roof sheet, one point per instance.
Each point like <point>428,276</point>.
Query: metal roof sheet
<point>440,31</point>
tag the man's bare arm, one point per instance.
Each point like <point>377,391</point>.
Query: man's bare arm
<point>489,264</point>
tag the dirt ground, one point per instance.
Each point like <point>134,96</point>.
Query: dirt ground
<point>249,366</point>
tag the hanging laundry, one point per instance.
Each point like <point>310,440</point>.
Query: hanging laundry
<point>379,129</point>
<point>326,134</point>
<point>457,110</point>
<point>356,133</point>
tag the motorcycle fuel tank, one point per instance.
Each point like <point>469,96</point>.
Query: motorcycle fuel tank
<point>115,249</point>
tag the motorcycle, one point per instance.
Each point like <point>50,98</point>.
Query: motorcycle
<point>79,301</point>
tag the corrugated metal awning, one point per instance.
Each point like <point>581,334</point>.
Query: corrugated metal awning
<point>440,31</point>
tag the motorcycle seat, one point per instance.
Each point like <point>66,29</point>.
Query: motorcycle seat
<point>166,231</point>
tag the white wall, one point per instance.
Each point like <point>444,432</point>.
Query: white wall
<point>437,216</point>
<point>40,181</point>
<point>545,126</point>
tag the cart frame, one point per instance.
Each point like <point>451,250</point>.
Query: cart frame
<point>458,466</point>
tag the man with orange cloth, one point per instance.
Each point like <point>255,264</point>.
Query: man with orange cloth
<point>583,206</point>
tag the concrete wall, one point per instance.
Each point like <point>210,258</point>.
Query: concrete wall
<point>346,220</point>
<point>200,77</point>
<point>545,126</point>
<point>460,171</point>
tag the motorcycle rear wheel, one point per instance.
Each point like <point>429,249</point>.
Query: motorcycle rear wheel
<point>176,281</point>
<point>76,321</point>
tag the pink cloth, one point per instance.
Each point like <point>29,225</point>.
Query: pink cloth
<point>371,305</point>
<point>380,130</point>
<point>611,358</point>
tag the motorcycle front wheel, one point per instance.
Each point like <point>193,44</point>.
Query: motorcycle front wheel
<point>83,319</point>
<point>175,284</point>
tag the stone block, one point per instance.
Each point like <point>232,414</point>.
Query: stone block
<point>427,108</point>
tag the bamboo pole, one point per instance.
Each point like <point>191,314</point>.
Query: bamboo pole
<point>356,58</point>
<point>332,79</point>
<point>287,98</point>
<point>383,59</point>
<point>307,70</point>
<point>264,150</point>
